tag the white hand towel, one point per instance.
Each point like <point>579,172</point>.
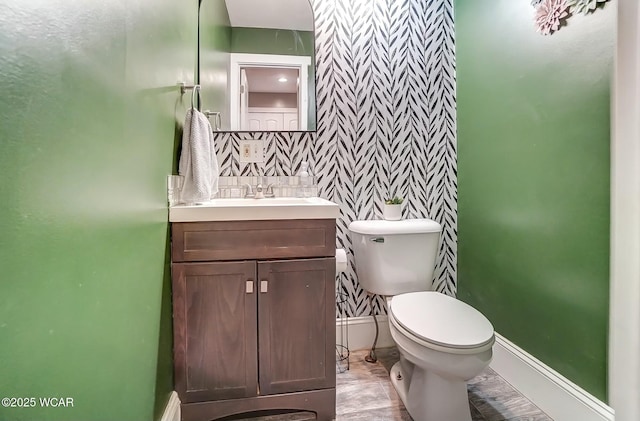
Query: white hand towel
<point>198,161</point>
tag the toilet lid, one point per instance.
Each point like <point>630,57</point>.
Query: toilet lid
<point>405,226</point>
<point>442,320</point>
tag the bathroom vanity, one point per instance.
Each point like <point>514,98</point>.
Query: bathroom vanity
<point>254,307</point>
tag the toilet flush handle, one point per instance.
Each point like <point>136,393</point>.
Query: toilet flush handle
<point>378,239</point>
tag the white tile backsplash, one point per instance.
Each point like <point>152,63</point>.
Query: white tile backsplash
<point>234,187</point>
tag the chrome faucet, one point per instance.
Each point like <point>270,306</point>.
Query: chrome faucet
<point>259,194</point>
<point>260,191</point>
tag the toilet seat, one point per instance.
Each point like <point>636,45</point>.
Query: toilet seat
<point>441,322</point>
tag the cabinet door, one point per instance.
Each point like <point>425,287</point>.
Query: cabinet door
<point>215,322</point>
<point>296,325</point>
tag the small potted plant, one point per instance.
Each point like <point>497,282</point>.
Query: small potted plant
<point>392,210</point>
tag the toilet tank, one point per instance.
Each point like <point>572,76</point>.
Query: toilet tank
<point>395,257</point>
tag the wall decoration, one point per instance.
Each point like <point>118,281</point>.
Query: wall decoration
<point>550,15</point>
<point>386,122</point>
<point>584,6</point>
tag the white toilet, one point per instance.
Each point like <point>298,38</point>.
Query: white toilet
<point>443,342</point>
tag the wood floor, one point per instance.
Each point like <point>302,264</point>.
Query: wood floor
<point>365,393</point>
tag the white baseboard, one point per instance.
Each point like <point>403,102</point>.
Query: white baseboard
<point>362,331</point>
<point>561,399</point>
<point>172,410</point>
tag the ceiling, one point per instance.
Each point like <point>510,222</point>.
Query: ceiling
<point>265,79</point>
<point>273,14</point>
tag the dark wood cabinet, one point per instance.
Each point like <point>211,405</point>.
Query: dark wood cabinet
<point>296,315</point>
<point>215,327</point>
<point>254,335</point>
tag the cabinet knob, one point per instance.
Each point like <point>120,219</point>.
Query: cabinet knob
<point>264,286</point>
<point>249,287</point>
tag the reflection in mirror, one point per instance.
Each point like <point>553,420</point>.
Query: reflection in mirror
<point>270,92</point>
<point>256,64</point>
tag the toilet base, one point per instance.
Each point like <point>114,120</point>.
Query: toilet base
<point>431,397</point>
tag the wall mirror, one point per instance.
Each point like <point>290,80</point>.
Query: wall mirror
<point>256,64</point>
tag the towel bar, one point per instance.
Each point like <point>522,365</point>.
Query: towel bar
<point>217,121</point>
<point>194,95</point>
<point>184,87</point>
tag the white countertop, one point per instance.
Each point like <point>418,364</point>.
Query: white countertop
<point>255,209</point>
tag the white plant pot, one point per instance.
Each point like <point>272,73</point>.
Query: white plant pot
<point>392,212</point>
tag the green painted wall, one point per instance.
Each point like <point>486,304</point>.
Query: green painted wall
<point>87,130</point>
<point>533,174</point>
<point>214,49</point>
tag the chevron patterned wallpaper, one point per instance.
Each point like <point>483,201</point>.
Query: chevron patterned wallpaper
<point>386,122</point>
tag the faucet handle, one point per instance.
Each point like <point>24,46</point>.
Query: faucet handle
<point>248,192</point>
<point>269,192</point>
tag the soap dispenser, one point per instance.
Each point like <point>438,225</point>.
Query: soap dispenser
<point>303,176</point>
<point>304,169</point>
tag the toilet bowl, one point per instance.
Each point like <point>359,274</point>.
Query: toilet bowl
<point>437,359</point>
<point>442,341</point>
